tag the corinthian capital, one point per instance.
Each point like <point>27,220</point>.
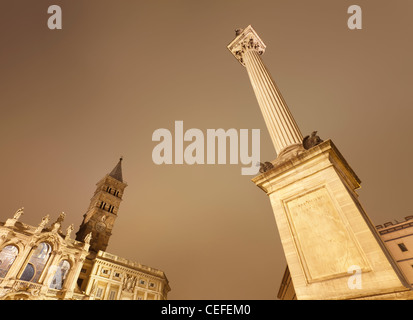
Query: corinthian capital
<point>246,39</point>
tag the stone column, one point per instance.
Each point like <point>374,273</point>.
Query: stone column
<point>21,261</point>
<point>50,268</point>
<point>323,228</point>
<point>247,47</point>
<point>91,280</point>
<point>118,295</point>
<point>71,280</point>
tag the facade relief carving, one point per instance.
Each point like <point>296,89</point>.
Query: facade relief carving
<point>129,283</point>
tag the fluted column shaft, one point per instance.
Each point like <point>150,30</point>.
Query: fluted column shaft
<point>283,129</point>
<point>280,123</point>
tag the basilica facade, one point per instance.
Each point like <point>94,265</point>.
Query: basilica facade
<point>45,262</point>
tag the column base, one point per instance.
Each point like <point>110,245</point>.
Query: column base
<point>332,249</point>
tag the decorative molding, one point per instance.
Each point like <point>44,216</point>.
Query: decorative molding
<point>246,39</point>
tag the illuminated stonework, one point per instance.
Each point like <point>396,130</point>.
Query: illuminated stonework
<point>247,48</point>
<point>323,228</point>
<point>44,263</point>
<point>397,237</point>
<point>109,277</point>
<point>101,215</point>
<point>39,262</point>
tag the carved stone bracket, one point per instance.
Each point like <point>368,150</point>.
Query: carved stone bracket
<point>285,155</point>
<point>311,140</point>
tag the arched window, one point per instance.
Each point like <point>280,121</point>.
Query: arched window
<point>7,257</point>
<point>28,272</point>
<point>60,275</point>
<point>36,264</point>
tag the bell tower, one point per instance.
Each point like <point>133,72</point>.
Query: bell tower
<point>100,217</point>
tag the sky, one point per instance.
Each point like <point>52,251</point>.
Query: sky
<point>74,100</point>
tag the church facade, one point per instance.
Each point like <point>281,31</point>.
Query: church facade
<point>44,262</point>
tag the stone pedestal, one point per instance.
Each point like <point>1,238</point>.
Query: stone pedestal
<point>324,230</point>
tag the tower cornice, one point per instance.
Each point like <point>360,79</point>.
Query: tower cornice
<point>112,179</point>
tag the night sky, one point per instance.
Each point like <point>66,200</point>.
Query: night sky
<point>74,100</point>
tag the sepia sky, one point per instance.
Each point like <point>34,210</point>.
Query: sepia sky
<point>74,100</point>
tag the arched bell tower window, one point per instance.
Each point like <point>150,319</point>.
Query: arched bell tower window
<point>38,260</point>
<point>60,275</point>
<point>7,257</point>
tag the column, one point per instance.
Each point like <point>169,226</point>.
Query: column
<point>247,47</point>
<point>314,199</point>
<point>73,275</point>
<point>92,278</point>
<point>50,268</point>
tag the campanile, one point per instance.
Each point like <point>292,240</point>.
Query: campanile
<point>100,217</point>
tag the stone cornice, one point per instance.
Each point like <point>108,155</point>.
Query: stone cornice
<point>105,258</point>
<point>283,167</point>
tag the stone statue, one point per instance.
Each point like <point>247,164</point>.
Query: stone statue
<point>238,31</point>
<point>61,218</point>
<point>311,141</point>
<point>42,224</point>
<point>88,238</point>
<point>264,167</point>
<point>18,213</point>
<point>45,220</point>
<point>56,226</point>
<point>69,231</point>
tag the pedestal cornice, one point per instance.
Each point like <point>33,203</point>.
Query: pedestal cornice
<point>295,156</point>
